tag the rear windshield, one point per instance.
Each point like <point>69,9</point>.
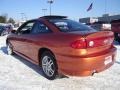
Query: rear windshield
<point>66,25</point>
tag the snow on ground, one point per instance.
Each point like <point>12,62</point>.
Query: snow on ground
<point>18,74</point>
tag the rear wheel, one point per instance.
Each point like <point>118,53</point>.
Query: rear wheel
<point>49,66</point>
<point>10,49</point>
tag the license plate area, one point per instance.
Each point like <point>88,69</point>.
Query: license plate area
<point>108,60</point>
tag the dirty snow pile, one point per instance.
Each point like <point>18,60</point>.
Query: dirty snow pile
<point>18,74</point>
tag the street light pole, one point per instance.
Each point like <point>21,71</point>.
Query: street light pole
<point>44,11</point>
<point>23,16</point>
<point>50,2</point>
<point>105,6</point>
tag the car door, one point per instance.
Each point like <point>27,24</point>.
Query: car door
<point>22,38</point>
<point>38,34</point>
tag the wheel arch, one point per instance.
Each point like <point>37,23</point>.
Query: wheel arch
<point>42,50</point>
<point>7,40</point>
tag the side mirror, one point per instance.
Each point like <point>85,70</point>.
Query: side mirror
<point>13,31</point>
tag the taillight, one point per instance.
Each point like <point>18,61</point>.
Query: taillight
<point>100,42</point>
<point>79,44</point>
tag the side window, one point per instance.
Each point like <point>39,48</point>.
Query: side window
<point>39,27</point>
<point>26,29</point>
<point>62,25</point>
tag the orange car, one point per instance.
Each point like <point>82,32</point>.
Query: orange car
<point>63,46</point>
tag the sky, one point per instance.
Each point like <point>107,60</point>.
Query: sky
<point>74,9</point>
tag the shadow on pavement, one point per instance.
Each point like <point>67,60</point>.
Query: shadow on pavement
<point>4,49</point>
<point>29,64</point>
<point>117,62</point>
<point>36,68</point>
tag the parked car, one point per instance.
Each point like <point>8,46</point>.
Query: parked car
<point>100,25</point>
<point>63,46</point>
<point>116,29</point>
<point>2,29</point>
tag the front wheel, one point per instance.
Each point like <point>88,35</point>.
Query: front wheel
<point>49,66</point>
<point>10,49</point>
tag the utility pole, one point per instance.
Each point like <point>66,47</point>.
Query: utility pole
<point>105,6</point>
<point>44,11</point>
<point>106,16</point>
<point>23,16</point>
<point>50,2</point>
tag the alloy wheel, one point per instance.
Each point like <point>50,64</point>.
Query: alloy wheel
<point>48,66</point>
<point>9,49</point>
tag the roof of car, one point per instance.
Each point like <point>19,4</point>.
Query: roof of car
<point>54,17</point>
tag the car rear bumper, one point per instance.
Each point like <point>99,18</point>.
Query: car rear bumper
<point>85,66</point>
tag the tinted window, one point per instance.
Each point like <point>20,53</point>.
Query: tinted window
<point>66,25</point>
<point>39,27</point>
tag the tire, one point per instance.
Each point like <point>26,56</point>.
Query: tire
<point>10,49</point>
<point>49,66</point>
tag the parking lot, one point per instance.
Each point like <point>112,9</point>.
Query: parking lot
<point>18,74</point>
